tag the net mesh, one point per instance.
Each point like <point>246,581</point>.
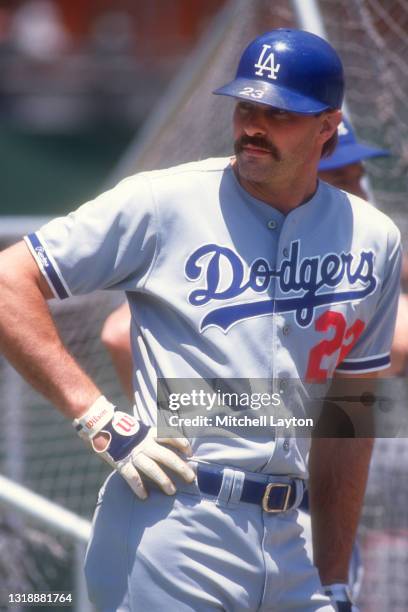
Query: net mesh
<point>371,37</point>
<point>199,124</point>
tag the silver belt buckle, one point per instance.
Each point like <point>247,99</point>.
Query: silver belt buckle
<point>265,499</point>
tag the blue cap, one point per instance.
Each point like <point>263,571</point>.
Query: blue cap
<point>291,70</point>
<point>349,150</point>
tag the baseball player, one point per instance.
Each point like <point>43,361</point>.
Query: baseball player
<point>343,169</point>
<point>115,336</point>
<point>235,268</point>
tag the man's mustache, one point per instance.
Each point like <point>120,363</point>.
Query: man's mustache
<point>256,141</point>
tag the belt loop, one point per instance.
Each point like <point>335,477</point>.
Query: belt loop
<point>226,486</point>
<point>300,491</point>
<point>237,486</point>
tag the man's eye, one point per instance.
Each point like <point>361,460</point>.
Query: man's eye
<point>244,107</point>
<point>278,112</point>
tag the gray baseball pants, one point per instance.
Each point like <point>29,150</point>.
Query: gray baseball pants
<point>197,553</point>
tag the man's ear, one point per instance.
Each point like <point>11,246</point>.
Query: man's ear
<point>331,119</point>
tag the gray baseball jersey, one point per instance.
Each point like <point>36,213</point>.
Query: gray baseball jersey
<point>222,285</point>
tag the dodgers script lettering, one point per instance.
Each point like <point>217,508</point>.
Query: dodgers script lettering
<point>314,279</point>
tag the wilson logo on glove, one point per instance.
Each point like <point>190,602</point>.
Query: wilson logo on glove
<point>132,447</point>
<point>124,424</point>
<point>95,419</point>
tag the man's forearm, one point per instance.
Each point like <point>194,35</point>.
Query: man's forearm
<point>30,341</point>
<point>338,476</point>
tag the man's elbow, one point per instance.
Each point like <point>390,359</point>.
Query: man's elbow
<point>20,275</point>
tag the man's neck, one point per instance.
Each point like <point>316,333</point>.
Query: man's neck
<point>284,194</point>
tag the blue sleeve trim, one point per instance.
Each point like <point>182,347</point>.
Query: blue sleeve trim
<point>365,365</point>
<point>47,266</point>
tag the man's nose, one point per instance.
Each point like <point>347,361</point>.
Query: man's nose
<point>254,124</point>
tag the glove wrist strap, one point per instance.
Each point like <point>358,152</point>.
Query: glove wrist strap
<point>339,591</point>
<point>95,418</point>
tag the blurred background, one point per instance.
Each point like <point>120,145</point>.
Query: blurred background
<point>77,79</point>
<point>94,90</point>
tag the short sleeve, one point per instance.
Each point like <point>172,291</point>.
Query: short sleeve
<point>108,243</point>
<point>372,350</point>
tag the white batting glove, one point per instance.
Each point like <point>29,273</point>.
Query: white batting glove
<point>131,446</point>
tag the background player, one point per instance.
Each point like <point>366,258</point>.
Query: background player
<point>193,556</point>
<point>344,168</point>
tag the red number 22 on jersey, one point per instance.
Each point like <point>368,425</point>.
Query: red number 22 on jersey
<point>326,321</point>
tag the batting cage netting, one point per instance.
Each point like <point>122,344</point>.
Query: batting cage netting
<point>40,450</point>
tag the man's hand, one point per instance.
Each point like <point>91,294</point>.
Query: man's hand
<point>130,446</point>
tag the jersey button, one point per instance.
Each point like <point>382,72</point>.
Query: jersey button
<point>286,445</point>
<point>286,330</point>
<point>272,224</point>
<point>286,252</point>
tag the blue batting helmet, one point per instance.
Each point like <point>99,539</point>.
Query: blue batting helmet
<point>291,70</point>
<point>349,150</point>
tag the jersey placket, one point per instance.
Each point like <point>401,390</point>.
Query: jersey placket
<point>283,367</point>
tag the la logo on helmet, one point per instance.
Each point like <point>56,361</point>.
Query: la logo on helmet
<point>267,64</point>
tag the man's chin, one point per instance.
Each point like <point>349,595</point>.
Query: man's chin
<point>253,169</point>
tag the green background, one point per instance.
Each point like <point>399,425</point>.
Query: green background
<point>46,174</point>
